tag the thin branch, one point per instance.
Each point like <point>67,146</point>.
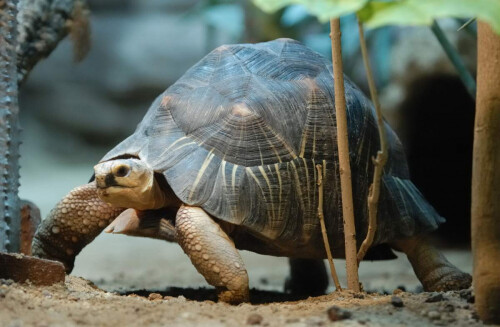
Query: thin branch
<point>380,160</point>
<point>321,217</point>
<point>345,168</point>
<point>456,60</point>
<point>467,23</point>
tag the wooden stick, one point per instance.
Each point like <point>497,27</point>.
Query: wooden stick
<point>379,162</point>
<point>321,217</point>
<point>345,168</point>
<point>485,212</point>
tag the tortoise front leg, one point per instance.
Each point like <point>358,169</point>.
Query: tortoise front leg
<point>213,254</point>
<point>433,270</point>
<point>73,223</point>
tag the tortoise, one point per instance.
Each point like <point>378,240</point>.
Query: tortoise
<point>225,159</point>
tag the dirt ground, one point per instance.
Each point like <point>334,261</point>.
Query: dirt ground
<point>80,303</point>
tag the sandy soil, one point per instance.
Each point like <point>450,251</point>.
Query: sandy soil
<point>79,302</point>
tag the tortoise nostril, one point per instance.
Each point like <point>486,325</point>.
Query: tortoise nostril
<point>121,170</point>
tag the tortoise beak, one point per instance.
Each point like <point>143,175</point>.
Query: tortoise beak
<point>105,180</point>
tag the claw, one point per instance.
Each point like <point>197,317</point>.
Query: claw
<point>127,222</point>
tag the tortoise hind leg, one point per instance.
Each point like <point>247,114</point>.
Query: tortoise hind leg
<point>433,270</point>
<point>213,254</point>
<point>73,223</point>
<point>307,277</point>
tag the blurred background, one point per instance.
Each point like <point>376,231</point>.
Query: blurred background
<point>72,114</point>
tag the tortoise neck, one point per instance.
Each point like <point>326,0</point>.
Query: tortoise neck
<point>162,194</point>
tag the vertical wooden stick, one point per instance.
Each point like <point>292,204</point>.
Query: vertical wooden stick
<point>380,160</point>
<point>321,217</point>
<point>345,168</point>
<point>486,178</point>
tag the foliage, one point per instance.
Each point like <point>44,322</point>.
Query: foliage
<point>395,12</point>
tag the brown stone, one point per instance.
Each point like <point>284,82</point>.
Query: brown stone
<point>30,219</point>
<point>21,268</point>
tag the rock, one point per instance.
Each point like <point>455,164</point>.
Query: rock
<point>397,302</point>
<point>336,313</point>
<point>155,296</point>
<point>449,308</point>
<point>402,288</point>
<point>254,319</point>
<point>264,281</point>
<point>467,295</point>
<point>435,297</point>
<point>47,294</point>
<point>434,315</point>
<point>7,282</point>
<point>397,291</point>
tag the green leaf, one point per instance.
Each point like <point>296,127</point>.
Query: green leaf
<point>423,12</point>
<point>322,9</point>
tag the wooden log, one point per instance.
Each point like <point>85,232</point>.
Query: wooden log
<point>485,212</point>
<point>21,268</point>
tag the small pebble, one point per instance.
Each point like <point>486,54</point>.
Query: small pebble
<point>397,302</point>
<point>402,288</point>
<point>336,313</point>
<point>254,319</point>
<point>7,282</point>
<point>467,295</point>
<point>2,294</point>
<point>155,296</point>
<point>73,297</point>
<point>474,315</point>
<point>435,297</point>
<point>397,291</point>
<point>434,315</point>
<point>47,294</point>
<point>449,308</point>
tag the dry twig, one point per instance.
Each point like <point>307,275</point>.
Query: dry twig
<point>380,160</point>
<point>345,168</point>
<point>321,217</point>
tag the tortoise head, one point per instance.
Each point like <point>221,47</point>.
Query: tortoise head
<point>128,183</point>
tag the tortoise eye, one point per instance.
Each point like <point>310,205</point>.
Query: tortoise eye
<point>122,170</point>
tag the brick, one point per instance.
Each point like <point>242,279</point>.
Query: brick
<point>20,268</point>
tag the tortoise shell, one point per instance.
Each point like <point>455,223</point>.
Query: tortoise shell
<point>240,135</point>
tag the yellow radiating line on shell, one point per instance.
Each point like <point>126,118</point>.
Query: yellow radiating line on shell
<point>233,178</point>
<point>297,182</point>
<point>263,172</point>
<point>303,144</point>
<point>307,183</point>
<point>281,189</point>
<point>248,170</point>
<point>203,167</point>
